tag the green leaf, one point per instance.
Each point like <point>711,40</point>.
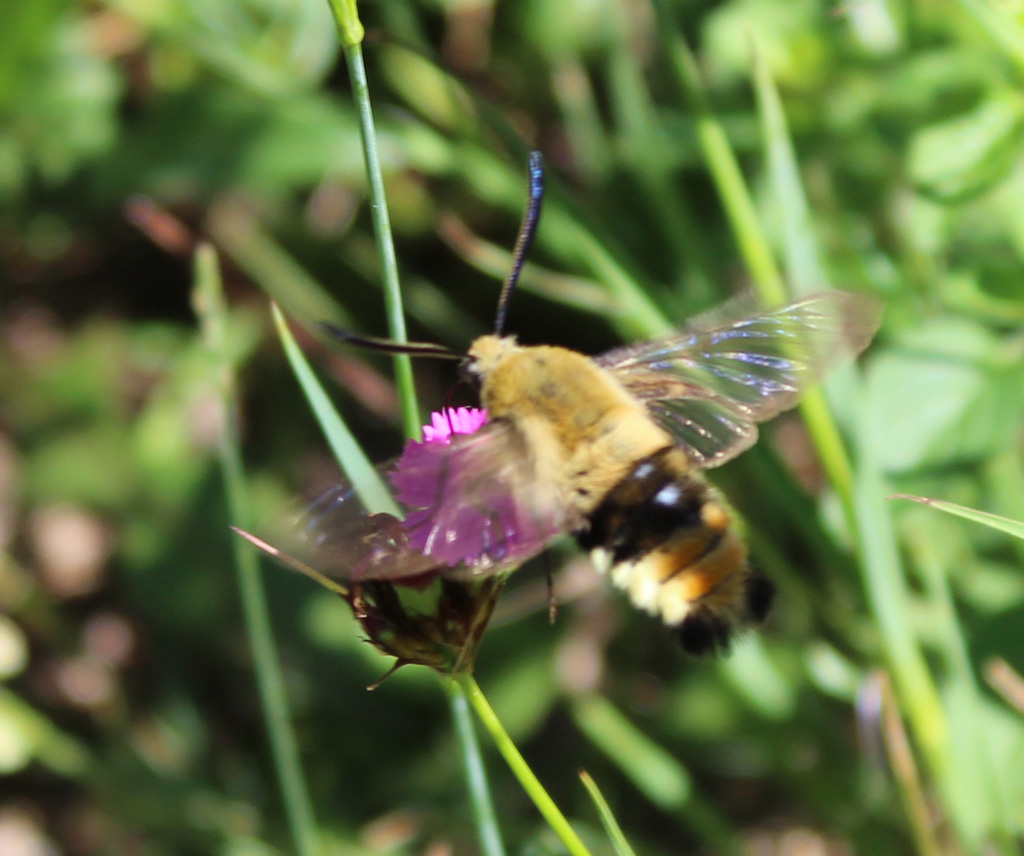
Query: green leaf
<point>962,157</point>
<point>948,393</point>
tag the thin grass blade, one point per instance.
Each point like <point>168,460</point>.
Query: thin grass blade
<point>530,783</point>
<point>209,304</point>
<point>804,268</point>
<point>366,481</point>
<point>993,521</point>
<point>723,165</point>
<point>611,825</point>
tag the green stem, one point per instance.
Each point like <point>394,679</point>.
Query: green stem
<point>476,774</point>
<point>209,304</point>
<point>906,775</point>
<point>531,784</point>
<point>350,28</point>
<point>804,267</point>
<point>725,170</point>
<point>369,484</point>
<point>656,773</point>
<point>830,448</point>
<point>963,688</point>
<point>889,599</point>
<point>385,244</point>
<point>350,33</point>
<point>756,251</point>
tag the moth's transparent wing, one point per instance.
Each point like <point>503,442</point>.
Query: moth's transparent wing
<point>338,538</point>
<point>471,507</point>
<point>710,384</point>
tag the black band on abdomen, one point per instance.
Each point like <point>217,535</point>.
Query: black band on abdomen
<point>644,509</point>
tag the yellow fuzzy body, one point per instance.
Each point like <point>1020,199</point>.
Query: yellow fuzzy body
<point>631,496</point>
<point>584,429</point>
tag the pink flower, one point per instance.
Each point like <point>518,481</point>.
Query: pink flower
<point>458,420</point>
<point>463,510</point>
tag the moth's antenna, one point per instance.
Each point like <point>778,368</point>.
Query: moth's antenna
<point>523,240</point>
<point>373,343</point>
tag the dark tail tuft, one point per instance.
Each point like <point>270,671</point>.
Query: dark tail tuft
<point>703,632</point>
<point>760,594</point>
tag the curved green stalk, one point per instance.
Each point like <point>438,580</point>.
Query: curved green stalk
<point>657,774</point>
<point>660,777</point>
<point>889,599</point>
<point>531,784</point>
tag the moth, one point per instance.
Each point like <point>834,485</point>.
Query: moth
<point>611,450</point>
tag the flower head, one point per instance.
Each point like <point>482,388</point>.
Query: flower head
<point>439,626</point>
<point>470,499</point>
<point>453,420</point>
<point>424,471</point>
<point>431,481</point>
<point>411,604</point>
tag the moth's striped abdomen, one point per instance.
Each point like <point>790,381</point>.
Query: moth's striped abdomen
<point>664,537</point>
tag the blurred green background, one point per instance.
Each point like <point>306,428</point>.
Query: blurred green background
<point>879,712</point>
